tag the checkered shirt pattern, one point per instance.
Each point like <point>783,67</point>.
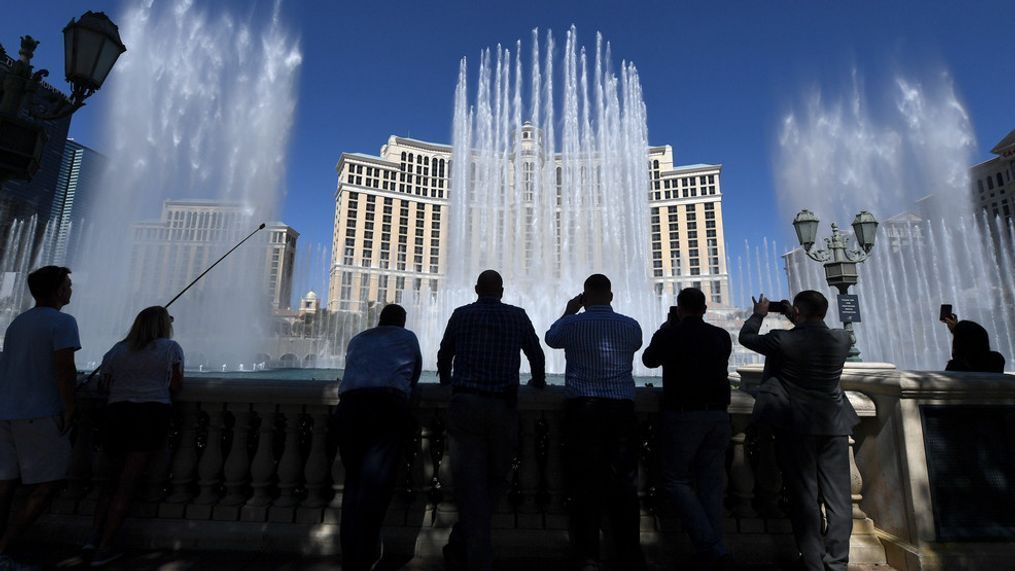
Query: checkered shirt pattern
<point>599,346</point>
<point>482,341</point>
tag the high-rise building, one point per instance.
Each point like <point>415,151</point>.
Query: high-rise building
<point>191,234</point>
<point>31,201</point>
<point>280,263</point>
<point>993,190</point>
<point>80,174</point>
<point>391,216</point>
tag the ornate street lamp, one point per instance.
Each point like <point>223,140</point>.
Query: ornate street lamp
<point>839,261</point>
<point>91,46</point>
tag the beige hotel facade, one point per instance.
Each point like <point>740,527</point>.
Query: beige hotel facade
<point>391,217</point>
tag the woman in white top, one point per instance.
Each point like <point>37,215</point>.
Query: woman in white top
<point>142,372</point>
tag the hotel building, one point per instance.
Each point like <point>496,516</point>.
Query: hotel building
<point>391,215</point>
<point>191,234</point>
<point>993,190</point>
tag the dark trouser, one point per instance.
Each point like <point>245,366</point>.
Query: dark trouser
<point>601,470</point>
<point>484,434</point>
<point>816,470</point>
<point>371,428</point>
<point>693,472</point>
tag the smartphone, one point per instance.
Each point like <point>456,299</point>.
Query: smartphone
<point>673,319</point>
<point>946,311</point>
<point>780,307</point>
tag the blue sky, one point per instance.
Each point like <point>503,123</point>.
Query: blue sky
<point>718,77</point>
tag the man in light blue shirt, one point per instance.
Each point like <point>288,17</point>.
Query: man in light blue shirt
<point>382,366</point>
<point>600,427</point>
<point>37,379</point>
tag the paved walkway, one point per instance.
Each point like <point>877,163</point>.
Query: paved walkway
<point>62,557</point>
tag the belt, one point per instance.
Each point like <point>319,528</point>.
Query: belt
<point>508,395</point>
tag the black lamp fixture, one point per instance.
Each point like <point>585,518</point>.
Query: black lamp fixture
<point>91,47</point>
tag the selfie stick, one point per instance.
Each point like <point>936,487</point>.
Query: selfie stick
<point>259,228</point>
<point>184,290</point>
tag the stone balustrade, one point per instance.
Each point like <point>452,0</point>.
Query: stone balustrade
<point>253,465</point>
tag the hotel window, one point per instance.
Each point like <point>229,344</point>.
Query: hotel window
<point>1000,181</point>
<point>990,183</point>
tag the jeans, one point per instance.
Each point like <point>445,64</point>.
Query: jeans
<point>816,470</point>
<point>601,470</point>
<point>371,429</point>
<point>693,449</point>
<point>484,434</point>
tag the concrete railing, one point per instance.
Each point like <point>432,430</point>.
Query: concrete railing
<point>252,465</point>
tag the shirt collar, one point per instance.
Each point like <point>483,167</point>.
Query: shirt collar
<point>488,299</point>
<point>600,307</point>
<point>810,324</point>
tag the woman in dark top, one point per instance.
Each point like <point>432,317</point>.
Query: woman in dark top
<point>971,348</point>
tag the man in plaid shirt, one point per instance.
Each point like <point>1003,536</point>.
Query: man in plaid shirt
<point>479,358</point>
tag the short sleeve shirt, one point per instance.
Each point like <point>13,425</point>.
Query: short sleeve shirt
<point>144,375</point>
<point>27,372</point>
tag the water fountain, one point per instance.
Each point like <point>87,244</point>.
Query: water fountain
<point>909,167</point>
<point>546,200</point>
<point>210,122</point>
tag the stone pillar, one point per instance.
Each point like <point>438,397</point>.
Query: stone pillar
<point>263,466</point>
<point>315,472</point>
<point>209,468</point>
<point>184,464</point>
<point>864,544</point>
<point>290,468</point>
<point>237,467</point>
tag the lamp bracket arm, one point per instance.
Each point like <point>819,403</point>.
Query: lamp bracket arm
<point>856,256</point>
<point>819,255</point>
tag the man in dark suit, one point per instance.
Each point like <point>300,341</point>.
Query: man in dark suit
<point>802,398</point>
<point>695,427</point>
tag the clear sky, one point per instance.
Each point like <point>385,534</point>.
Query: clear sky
<point>718,77</point>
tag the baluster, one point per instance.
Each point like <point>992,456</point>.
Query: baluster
<point>438,437</point>
<point>741,479</point>
<point>768,487</point>
<point>855,484</point>
<point>332,514</point>
<point>413,438</point>
<point>262,468</point>
<point>648,463</point>
<point>315,473</point>
<point>184,463</point>
<point>542,442</point>
<point>515,497</point>
<point>237,467</point>
<point>290,467</point>
<point>209,467</point>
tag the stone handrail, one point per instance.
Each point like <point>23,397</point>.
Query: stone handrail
<point>260,455</point>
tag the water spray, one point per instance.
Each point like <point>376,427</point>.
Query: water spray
<point>190,285</point>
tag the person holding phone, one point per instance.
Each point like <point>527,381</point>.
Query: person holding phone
<point>694,424</point>
<point>37,377</point>
<point>970,346</point>
<point>600,427</point>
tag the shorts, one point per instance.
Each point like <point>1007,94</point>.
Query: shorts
<point>34,450</point>
<point>136,427</point>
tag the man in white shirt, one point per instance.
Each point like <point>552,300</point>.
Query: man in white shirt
<point>37,379</point>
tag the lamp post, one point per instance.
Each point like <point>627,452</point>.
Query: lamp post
<point>839,261</point>
<point>91,46</point>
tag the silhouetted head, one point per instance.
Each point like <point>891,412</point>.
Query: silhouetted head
<point>50,286</point>
<point>690,303</point>
<point>490,284</point>
<point>969,341</point>
<point>392,314</point>
<point>810,305</point>
<point>598,290</point>
<point>152,323</point>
